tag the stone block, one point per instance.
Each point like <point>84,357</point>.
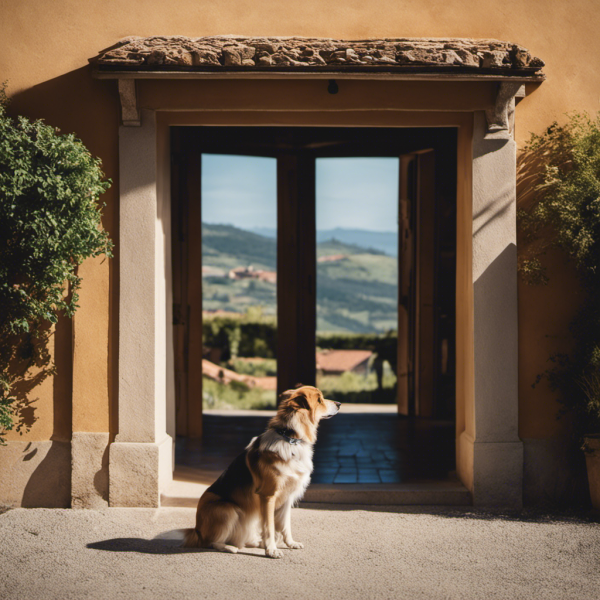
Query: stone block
<point>498,474</point>
<point>89,476</point>
<point>134,475</point>
<point>237,55</point>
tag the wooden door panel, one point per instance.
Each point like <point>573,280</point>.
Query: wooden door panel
<point>296,270</point>
<point>416,285</point>
<point>406,274</point>
<point>426,372</point>
<point>186,233</point>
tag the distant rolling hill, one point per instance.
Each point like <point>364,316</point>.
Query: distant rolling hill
<point>226,246</point>
<point>357,293</point>
<point>383,241</point>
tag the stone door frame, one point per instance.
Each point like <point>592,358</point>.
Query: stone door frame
<point>489,451</point>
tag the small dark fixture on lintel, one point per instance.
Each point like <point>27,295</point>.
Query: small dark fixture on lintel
<point>332,88</point>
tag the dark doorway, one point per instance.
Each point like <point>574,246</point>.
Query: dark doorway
<point>417,441</point>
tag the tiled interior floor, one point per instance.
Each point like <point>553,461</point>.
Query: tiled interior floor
<point>352,448</point>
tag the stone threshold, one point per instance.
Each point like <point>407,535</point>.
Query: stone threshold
<point>431,493</point>
<point>440,493</point>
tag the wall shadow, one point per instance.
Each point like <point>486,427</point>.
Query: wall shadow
<point>31,363</point>
<point>49,485</point>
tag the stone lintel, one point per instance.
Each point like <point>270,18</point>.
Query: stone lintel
<point>455,56</point>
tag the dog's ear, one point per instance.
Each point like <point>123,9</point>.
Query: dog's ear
<point>287,395</point>
<point>302,401</point>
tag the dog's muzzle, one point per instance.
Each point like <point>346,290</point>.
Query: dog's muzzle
<point>333,410</point>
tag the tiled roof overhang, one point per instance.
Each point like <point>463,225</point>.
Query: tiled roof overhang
<point>248,57</point>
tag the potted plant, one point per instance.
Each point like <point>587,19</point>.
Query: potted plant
<point>591,447</point>
<point>560,207</point>
<point>591,441</point>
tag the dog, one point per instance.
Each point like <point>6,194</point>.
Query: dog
<point>250,503</point>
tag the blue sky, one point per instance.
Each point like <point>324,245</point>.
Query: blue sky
<point>352,193</point>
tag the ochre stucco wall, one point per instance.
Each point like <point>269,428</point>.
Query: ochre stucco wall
<point>44,49</point>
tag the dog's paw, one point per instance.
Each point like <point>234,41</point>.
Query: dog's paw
<point>274,553</point>
<point>295,545</point>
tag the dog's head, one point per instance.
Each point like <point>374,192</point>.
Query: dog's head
<point>307,401</point>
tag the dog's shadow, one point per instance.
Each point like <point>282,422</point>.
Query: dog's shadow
<point>163,543</point>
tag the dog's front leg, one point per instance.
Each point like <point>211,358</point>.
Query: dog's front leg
<point>267,513</point>
<point>283,522</point>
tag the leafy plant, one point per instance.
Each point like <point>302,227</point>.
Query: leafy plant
<point>563,210</point>
<point>238,396</point>
<point>253,334</point>
<point>354,387</point>
<point>265,367</point>
<point>50,185</point>
<point>250,334</point>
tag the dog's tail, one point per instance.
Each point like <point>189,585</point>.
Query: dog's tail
<point>191,539</point>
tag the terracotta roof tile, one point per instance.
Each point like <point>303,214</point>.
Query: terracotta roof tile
<point>341,360</point>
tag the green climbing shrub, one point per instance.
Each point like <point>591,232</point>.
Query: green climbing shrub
<point>564,211</point>
<point>50,215</point>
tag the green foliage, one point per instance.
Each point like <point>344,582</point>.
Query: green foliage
<point>49,224</point>
<point>235,395</point>
<point>266,367</point>
<point>356,388</point>
<point>251,334</point>
<point>255,335</point>
<point>565,213</point>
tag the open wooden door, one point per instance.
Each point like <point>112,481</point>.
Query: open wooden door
<point>296,264</point>
<point>417,347</point>
<point>186,233</point>
<point>427,186</point>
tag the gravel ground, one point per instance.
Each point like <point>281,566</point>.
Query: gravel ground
<point>350,552</point>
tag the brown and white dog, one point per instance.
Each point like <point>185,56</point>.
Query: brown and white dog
<point>250,504</point>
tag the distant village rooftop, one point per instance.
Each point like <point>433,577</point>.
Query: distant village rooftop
<point>492,59</point>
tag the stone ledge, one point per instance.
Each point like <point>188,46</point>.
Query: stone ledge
<point>235,53</point>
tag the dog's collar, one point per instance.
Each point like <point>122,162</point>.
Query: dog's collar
<point>286,433</point>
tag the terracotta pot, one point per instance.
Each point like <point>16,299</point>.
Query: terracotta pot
<point>591,446</point>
